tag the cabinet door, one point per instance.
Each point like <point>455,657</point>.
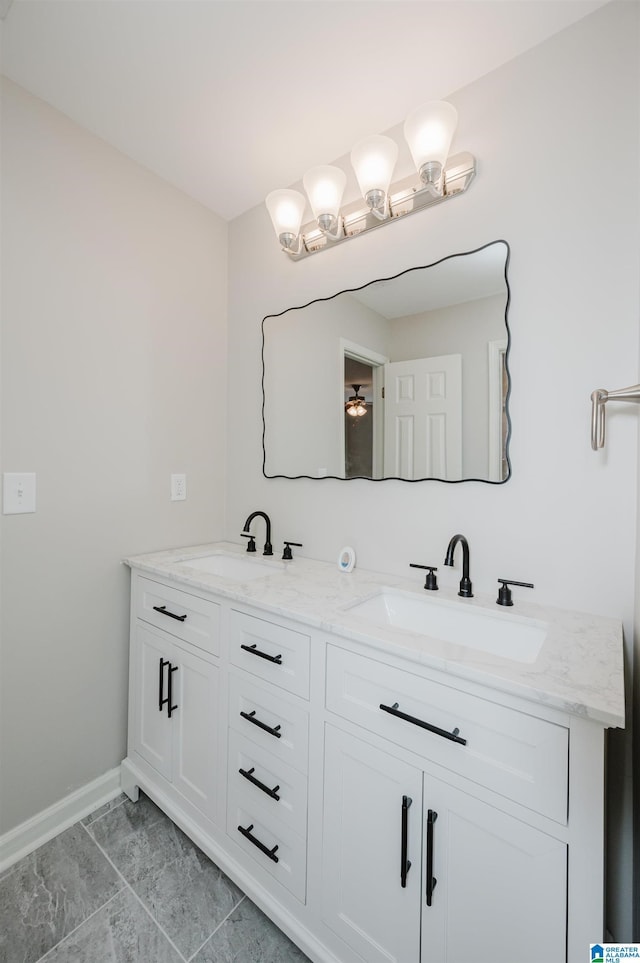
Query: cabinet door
<point>152,734</point>
<point>364,901</point>
<point>195,725</point>
<point>501,885</point>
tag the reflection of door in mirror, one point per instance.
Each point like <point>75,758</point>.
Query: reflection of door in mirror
<point>423,418</point>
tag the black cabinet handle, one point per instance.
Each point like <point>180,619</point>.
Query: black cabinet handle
<point>250,717</point>
<point>161,700</point>
<point>248,774</point>
<point>168,700</point>
<point>253,650</point>
<point>271,853</point>
<point>431,880</point>
<point>170,706</point>
<point>162,609</point>
<point>405,864</point>
<point>453,736</point>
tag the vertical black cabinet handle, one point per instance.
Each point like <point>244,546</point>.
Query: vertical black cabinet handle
<point>170,706</point>
<point>161,700</point>
<point>431,880</point>
<point>405,864</point>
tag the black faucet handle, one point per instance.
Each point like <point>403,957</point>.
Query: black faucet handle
<point>287,554</point>
<point>431,580</point>
<point>504,592</point>
<point>251,547</point>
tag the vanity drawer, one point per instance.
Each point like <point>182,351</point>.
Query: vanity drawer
<point>266,785</point>
<point>511,753</point>
<point>186,616</point>
<point>261,837</point>
<point>262,715</point>
<point>271,652</point>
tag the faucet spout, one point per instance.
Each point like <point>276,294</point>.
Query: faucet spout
<point>465,582</point>
<point>268,549</point>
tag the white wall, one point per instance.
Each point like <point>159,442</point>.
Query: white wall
<point>306,438</point>
<point>114,376</point>
<point>543,128</point>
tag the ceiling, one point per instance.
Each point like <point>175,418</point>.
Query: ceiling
<point>229,99</point>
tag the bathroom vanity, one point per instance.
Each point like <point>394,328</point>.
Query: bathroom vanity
<point>388,775</point>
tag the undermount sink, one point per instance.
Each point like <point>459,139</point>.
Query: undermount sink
<point>233,568</point>
<point>512,637</point>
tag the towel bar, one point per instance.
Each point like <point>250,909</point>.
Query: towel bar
<point>599,398</point>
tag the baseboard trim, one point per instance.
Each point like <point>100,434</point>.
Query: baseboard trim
<point>50,822</point>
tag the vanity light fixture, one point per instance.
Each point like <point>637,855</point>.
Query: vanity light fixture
<point>356,406</point>
<point>325,186</point>
<point>428,130</point>
<point>373,160</point>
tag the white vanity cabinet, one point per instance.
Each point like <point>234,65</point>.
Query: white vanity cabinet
<point>268,755</point>
<point>379,809</point>
<point>461,851</point>
<point>174,691</point>
<point>498,886</point>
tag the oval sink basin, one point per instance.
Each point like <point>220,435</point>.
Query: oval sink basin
<point>512,637</point>
<point>233,568</point>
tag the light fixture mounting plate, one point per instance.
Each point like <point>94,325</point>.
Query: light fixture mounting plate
<point>405,197</point>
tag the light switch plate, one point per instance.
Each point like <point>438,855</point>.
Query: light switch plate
<point>18,492</point>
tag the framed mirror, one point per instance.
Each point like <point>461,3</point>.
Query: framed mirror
<point>406,377</point>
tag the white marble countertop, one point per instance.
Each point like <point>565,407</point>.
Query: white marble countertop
<point>579,668</point>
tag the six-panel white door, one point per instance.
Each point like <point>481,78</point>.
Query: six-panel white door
<point>423,418</point>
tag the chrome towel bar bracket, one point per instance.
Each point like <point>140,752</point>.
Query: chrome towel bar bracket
<point>599,398</point>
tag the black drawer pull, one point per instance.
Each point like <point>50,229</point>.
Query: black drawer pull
<point>271,853</point>
<point>431,880</point>
<point>453,736</point>
<point>162,609</point>
<point>405,864</point>
<point>248,774</point>
<point>250,717</point>
<point>253,650</point>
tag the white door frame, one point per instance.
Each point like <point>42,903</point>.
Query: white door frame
<point>497,351</point>
<point>349,349</point>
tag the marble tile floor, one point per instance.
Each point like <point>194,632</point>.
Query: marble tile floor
<point>125,885</point>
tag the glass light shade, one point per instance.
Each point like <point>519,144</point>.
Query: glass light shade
<point>373,160</point>
<point>325,186</point>
<point>429,131</point>
<point>286,209</point>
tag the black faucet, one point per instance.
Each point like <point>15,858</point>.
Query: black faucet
<point>465,581</point>
<point>251,547</point>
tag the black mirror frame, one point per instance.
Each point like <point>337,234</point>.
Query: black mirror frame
<point>420,267</point>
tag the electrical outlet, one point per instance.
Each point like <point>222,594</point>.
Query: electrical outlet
<point>178,488</point>
<point>19,493</point>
